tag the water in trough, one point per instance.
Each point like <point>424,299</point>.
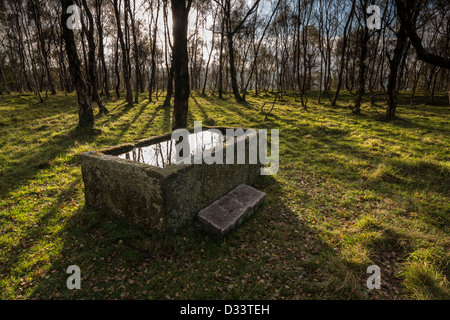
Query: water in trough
<point>163,154</point>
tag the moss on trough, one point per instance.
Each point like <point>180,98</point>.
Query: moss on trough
<point>158,198</point>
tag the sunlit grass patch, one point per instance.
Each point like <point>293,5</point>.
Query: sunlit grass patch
<point>423,274</point>
<point>351,191</point>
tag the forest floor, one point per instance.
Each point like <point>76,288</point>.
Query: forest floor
<point>352,191</point>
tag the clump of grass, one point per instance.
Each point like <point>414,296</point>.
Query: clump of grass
<point>368,223</point>
<point>425,274</point>
<point>385,173</point>
<point>422,170</point>
<point>209,122</point>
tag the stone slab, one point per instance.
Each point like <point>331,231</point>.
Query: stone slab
<point>225,214</point>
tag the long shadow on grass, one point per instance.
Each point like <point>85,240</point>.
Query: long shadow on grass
<point>330,143</point>
<point>274,254</point>
<point>38,232</point>
<point>241,110</point>
<point>41,157</point>
<point>63,104</point>
<point>167,118</point>
<point>411,124</point>
<point>205,115</point>
<point>329,150</point>
<point>331,154</point>
<point>440,99</point>
<point>128,124</point>
<point>124,108</point>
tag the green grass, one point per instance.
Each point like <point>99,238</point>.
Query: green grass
<point>352,191</point>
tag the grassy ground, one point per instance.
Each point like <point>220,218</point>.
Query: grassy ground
<point>352,191</point>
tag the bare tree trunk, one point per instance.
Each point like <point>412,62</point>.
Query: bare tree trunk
<point>362,63</point>
<point>433,87</point>
<point>151,85</point>
<point>210,54</point>
<point>92,68</point>
<point>85,113</point>
<point>222,36</point>
<point>180,13</point>
<point>234,85</point>
<point>407,11</point>
<point>37,84</point>
<point>170,73</point>
<point>344,48</point>
<point>101,50</point>
<point>415,81</point>
<point>65,83</point>
<point>169,86</point>
<point>230,32</point>
<point>253,66</point>
<point>136,49</point>
<point>5,84</point>
<point>394,65</point>
<point>125,66</point>
<point>35,9</point>
<point>116,68</point>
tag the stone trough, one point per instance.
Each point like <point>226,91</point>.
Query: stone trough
<point>140,182</point>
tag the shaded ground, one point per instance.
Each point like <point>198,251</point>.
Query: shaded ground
<point>352,191</point>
